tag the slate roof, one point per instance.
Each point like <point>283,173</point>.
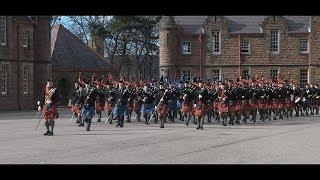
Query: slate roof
<point>242,24</point>
<point>68,52</point>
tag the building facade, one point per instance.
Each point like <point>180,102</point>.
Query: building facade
<point>24,60</point>
<point>215,47</point>
<point>69,56</point>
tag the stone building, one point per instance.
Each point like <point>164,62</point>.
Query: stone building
<point>24,60</point>
<point>69,56</point>
<point>227,46</point>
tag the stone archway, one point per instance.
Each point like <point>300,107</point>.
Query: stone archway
<point>63,86</point>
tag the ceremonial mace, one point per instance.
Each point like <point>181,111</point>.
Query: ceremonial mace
<point>38,114</point>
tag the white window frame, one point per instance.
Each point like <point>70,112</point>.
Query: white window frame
<point>4,78</point>
<point>244,46</point>
<point>214,73</point>
<point>214,41</point>
<point>26,76</point>
<point>186,47</point>
<point>187,74</point>
<point>303,79</point>
<point>3,30</point>
<point>273,43</point>
<point>242,74</point>
<point>25,39</point>
<point>272,71</point>
<point>301,46</point>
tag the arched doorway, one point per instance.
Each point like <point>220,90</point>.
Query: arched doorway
<point>64,86</point>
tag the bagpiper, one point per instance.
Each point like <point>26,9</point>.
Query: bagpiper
<point>49,106</point>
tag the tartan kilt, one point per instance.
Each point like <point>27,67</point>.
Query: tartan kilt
<point>216,105</point>
<point>223,107</point>
<point>270,105</point>
<point>262,105</point>
<point>99,106</point>
<point>163,110</point>
<point>253,105</point>
<point>318,101</point>
<point>108,106</point>
<point>136,107</point>
<point>277,105</point>
<point>50,113</point>
<point>210,106</point>
<point>313,101</point>
<point>238,106</point>
<point>289,104</point>
<point>87,112</point>
<point>245,105</point>
<point>76,109</point>
<point>186,107</point>
<point>147,109</point>
<point>199,112</point>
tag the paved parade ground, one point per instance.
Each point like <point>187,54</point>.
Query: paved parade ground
<point>295,140</point>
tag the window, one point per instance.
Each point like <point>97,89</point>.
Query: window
<point>216,75</point>
<point>303,77</point>
<point>216,42</point>
<point>303,46</point>
<point>245,47</point>
<point>274,73</point>
<point>186,47</point>
<point>26,79</point>
<point>3,30</point>
<point>245,74</point>
<point>186,74</point>
<point>25,39</point>
<point>4,79</point>
<point>274,41</point>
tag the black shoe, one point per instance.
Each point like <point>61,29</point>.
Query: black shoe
<point>87,129</point>
<point>46,133</point>
<point>50,134</point>
<point>77,121</point>
<point>198,127</point>
<point>99,120</point>
<point>224,124</point>
<point>162,126</point>
<point>187,124</point>
<point>201,127</point>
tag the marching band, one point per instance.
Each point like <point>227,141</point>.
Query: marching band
<point>228,102</point>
